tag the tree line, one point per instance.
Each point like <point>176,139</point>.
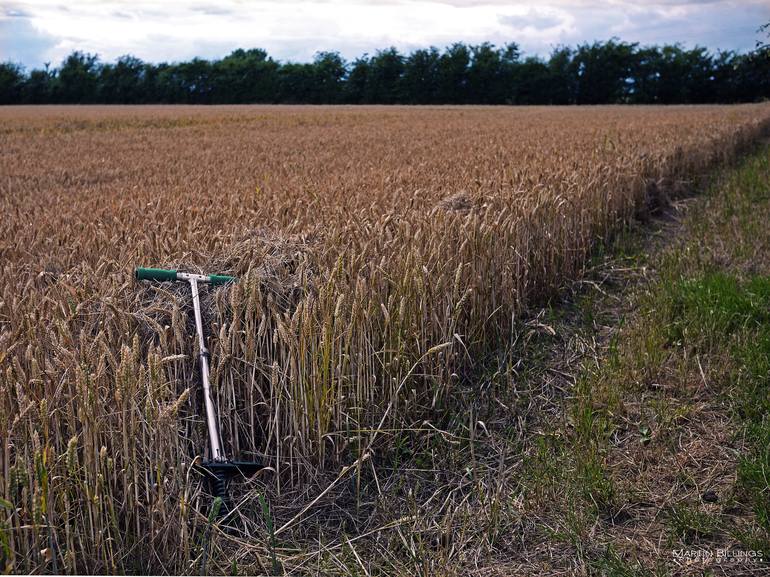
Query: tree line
<point>611,72</point>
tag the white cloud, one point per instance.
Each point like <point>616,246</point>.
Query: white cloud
<point>296,29</point>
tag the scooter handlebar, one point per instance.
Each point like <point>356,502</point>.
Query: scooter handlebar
<point>154,274</point>
<point>159,274</point>
<point>216,279</point>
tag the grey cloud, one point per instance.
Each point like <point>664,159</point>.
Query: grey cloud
<point>213,10</point>
<point>15,13</point>
<point>536,20</point>
<point>711,25</point>
<point>715,25</point>
<point>564,4</point>
<point>726,24</point>
<point>21,42</point>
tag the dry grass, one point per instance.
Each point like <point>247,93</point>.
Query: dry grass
<point>364,238</point>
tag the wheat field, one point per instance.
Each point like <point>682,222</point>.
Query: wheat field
<point>380,252</point>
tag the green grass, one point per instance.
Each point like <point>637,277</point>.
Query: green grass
<point>718,314</point>
<point>612,564</point>
<point>689,524</point>
<point>702,320</point>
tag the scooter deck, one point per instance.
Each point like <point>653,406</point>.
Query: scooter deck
<point>220,472</point>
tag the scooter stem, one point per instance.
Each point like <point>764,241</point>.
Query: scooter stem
<point>203,358</point>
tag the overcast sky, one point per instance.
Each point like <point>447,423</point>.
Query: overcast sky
<point>41,31</point>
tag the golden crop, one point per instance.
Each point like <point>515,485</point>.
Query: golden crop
<point>365,239</point>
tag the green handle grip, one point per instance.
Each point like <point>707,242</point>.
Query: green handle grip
<point>216,279</point>
<point>154,274</point>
